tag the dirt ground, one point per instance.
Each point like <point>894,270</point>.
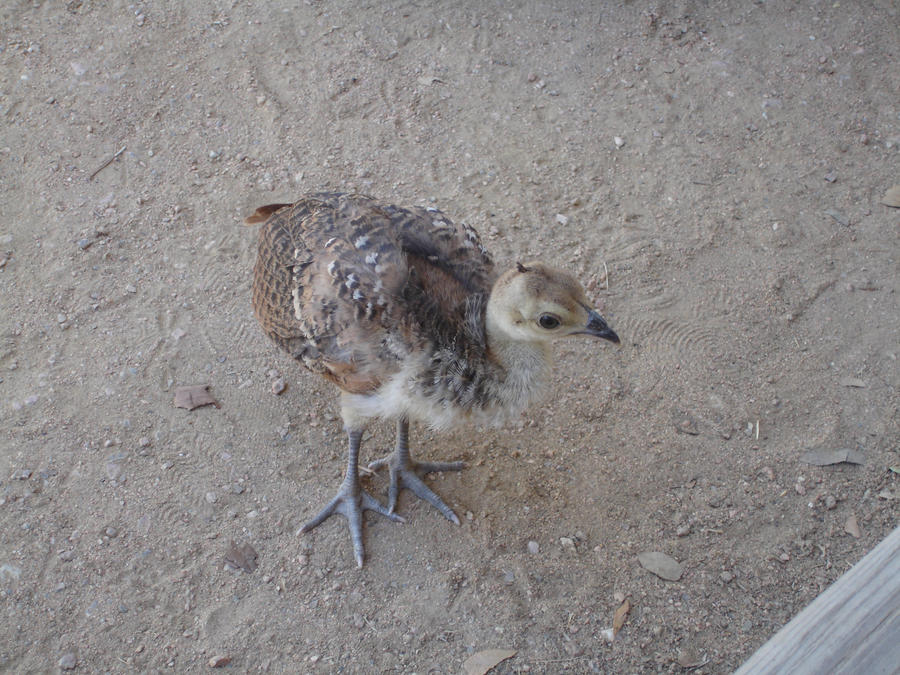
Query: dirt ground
<point>712,171</point>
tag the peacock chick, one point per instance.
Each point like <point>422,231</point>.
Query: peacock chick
<point>402,309</point>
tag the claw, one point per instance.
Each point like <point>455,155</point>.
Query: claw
<point>350,501</point>
<point>406,474</point>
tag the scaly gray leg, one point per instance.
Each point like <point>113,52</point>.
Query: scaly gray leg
<point>351,500</point>
<point>406,473</point>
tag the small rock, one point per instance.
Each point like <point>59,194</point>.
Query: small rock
<point>619,141</point>
<point>23,474</point>
<point>68,661</point>
<point>830,502</point>
<point>211,497</point>
<point>851,527</point>
<point>68,555</point>
<point>144,442</point>
<point>113,470</point>
<point>278,386</point>
<point>726,577</point>
<point>830,177</point>
<point>111,532</point>
<point>61,318</point>
<point>662,565</point>
<point>130,288</point>
<point>683,530</point>
<point>561,219</point>
<point>567,543</point>
<point>533,547</point>
<point>219,661</point>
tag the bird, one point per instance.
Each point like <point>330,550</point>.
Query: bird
<point>403,310</point>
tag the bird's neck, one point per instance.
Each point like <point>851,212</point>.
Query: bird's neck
<point>525,363</point>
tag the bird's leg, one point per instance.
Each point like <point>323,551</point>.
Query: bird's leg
<point>351,500</point>
<point>406,473</point>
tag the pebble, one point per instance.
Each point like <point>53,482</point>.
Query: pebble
<point>68,661</point>
<point>830,502</point>
<point>144,442</point>
<point>67,555</point>
<point>619,141</point>
<point>533,547</point>
<point>726,577</point>
<point>683,530</point>
<point>111,532</point>
<point>561,219</point>
<point>211,497</point>
<point>219,661</point>
<point>23,474</point>
<point>278,386</point>
<point>113,470</point>
<point>661,565</point>
<point>567,543</point>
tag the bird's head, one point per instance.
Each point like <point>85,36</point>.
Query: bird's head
<point>537,303</point>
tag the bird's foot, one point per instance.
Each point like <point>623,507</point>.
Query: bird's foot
<point>350,502</point>
<point>407,473</point>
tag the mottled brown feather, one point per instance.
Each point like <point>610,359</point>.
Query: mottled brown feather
<point>351,286</point>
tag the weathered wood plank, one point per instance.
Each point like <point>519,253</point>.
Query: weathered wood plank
<point>853,627</point>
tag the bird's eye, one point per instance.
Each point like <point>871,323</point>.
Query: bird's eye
<point>548,321</point>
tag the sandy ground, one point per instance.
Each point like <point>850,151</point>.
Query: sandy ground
<point>733,234</point>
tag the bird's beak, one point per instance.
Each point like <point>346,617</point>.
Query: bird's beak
<point>598,327</point>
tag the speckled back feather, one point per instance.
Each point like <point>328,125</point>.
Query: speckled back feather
<point>352,287</point>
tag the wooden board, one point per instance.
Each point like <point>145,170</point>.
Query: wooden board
<point>851,628</point>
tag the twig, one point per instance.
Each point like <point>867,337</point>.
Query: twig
<point>606,274</point>
<point>107,162</point>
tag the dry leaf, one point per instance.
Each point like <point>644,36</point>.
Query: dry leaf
<point>892,197</point>
<point>851,527</point>
<point>662,565</point>
<point>687,659</point>
<point>242,557</point>
<point>194,396</point>
<point>481,662</point>
<point>621,616</point>
<point>827,457</point>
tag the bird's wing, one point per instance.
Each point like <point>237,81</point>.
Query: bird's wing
<point>451,274</point>
<point>353,287</point>
<point>328,287</point>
